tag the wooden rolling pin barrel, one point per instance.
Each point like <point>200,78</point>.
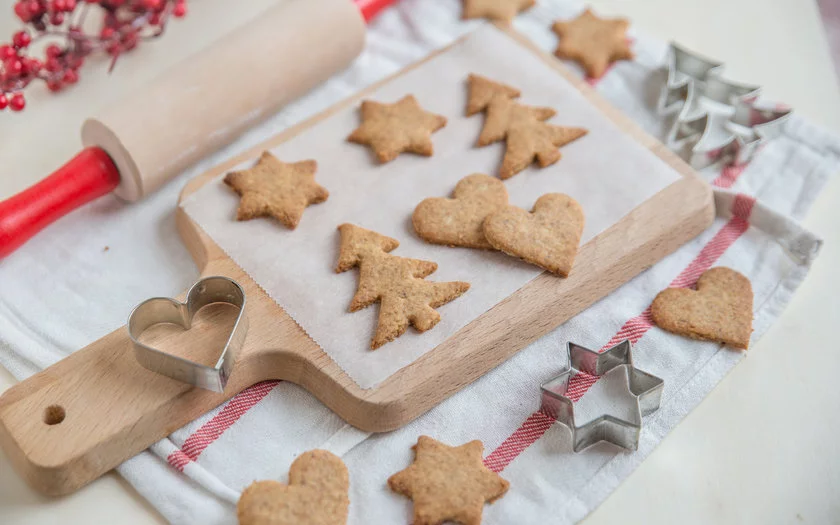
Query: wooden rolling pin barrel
<point>199,106</point>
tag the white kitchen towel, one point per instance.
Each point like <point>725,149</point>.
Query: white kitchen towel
<point>63,290</point>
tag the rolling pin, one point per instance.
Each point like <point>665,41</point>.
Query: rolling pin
<point>195,108</point>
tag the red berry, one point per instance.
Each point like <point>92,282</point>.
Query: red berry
<point>70,76</point>
<point>152,4</point>
<point>70,4</point>
<point>33,65</point>
<point>54,85</point>
<point>21,39</point>
<point>59,5</point>
<point>106,33</point>
<point>7,52</point>
<point>57,19</point>
<point>52,65</point>
<point>3,101</point>
<point>154,19</point>
<point>179,10</point>
<point>34,7</point>
<point>18,102</point>
<point>14,66</point>
<point>53,50</point>
<point>22,12</point>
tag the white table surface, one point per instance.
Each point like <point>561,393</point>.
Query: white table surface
<point>762,448</point>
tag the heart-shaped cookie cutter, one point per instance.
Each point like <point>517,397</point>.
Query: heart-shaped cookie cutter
<point>645,388</point>
<point>158,310</point>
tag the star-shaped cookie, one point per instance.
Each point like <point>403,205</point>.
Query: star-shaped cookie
<point>390,129</point>
<point>276,189</point>
<point>593,42</point>
<point>482,90</point>
<point>527,136</point>
<point>448,483</point>
<point>501,10</point>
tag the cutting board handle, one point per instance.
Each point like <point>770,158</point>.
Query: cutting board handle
<point>74,421</point>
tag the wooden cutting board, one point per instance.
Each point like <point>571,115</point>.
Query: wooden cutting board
<point>83,416</point>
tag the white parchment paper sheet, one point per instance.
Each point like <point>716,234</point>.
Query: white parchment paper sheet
<point>606,171</point>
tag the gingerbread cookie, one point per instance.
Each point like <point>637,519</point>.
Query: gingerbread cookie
<point>500,10</point>
<point>315,495</point>
<point>721,309</point>
<point>458,221</point>
<point>396,282</point>
<point>276,189</point>
<point>593,42</point>
<point>390,129</point>
<point>549,236</point>
<point>526,135</point>
<point>482,90</point>
<point>448,483</point>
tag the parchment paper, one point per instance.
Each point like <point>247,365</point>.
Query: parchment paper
<point>607,172</point>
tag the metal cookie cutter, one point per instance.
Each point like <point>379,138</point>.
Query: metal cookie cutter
<point>165,310</point>
<point>646,389</point>
<point>717,119</point>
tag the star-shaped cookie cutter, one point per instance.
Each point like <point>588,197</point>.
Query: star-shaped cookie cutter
<point>717,119</point>
<point>645,388</point>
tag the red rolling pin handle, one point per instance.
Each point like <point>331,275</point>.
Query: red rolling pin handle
<point>87,176</point>
<point>370,8</point>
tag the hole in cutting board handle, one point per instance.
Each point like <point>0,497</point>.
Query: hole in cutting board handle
<point>54,414</point>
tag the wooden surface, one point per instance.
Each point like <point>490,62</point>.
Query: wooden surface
<point>115,408</point>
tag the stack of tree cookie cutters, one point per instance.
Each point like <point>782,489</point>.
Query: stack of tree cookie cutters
<point>715,119</point>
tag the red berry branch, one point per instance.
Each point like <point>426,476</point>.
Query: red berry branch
<point>124,24</point>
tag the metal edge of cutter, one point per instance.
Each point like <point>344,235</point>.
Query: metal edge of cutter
<point>209,290</point>
<point>645,388</point>
<point>692,77</point>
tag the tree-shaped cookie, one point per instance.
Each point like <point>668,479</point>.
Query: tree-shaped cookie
<point>527,136</point>
<point>390,129</point>
<point>276,189</point>
<point>396,282</point>
<point>482,90</point>
<point>593,42</point>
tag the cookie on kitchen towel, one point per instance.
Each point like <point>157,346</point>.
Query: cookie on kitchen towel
<point>458,221</point>
<point>501,10</point>
<point>315,495</point>
<point>448,483</point>
<point>720,309</point>
<point>390,129</point>
<point>276,189</point>
<point>482,90</point>
<point>396,282</point>
<point>548,237</point>
<point>527,137</point>
<point>593,42</point>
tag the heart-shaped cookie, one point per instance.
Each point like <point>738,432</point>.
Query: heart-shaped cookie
<point>458,221</point>
<point>316,494</point>
<point>721,309</point>
<point>548,236</point>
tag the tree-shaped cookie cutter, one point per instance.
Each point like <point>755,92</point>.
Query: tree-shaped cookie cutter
<point>646,389</point>
<point>717,119</point>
